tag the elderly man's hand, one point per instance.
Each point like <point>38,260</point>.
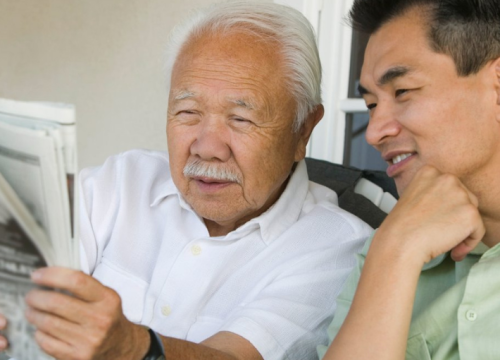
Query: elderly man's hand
<point>88,324</point>
<point>435,214</point>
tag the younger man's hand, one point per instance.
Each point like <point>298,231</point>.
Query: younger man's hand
<point>435,214</point>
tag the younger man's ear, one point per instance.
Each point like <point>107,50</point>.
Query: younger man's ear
<point>305,132</point>
<point>496,70</point>
<point>496,67</point>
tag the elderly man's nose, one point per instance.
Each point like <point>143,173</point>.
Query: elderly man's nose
<point>211,142</point>
<point>382,126</point>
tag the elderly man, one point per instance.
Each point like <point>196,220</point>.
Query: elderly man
<point>430,284</point>
<point>223,246</point>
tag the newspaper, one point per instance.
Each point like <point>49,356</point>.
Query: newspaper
<point>37,172</point>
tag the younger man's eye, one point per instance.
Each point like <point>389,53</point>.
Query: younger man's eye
<point>401,92</point>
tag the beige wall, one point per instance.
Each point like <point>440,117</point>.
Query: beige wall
<point>104,56</point>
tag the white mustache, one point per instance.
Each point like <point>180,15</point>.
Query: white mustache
<point>199,168</point>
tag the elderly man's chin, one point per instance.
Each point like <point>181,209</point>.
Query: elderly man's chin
<point>213,201</point>
<point>225,211</point>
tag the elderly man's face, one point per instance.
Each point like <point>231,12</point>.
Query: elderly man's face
<point>229,129</point>
<point>422,112</point>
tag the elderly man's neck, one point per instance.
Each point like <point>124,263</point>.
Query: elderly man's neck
<point>215,229</point>
<point>492,236</point>
<point>223,228</point>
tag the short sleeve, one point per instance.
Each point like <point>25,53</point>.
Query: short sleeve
<point>98,202</point>
<point>88,246</point>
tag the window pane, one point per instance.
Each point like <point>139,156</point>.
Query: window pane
<point>359,41</point>
<point>357,152</point>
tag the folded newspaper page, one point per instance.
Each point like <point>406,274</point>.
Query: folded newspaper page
<point>23,248</point>
<point>37,170</point>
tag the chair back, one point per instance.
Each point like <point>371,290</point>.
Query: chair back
<point>368,194</point>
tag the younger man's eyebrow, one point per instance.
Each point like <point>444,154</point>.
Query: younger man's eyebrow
<point>392,74</point>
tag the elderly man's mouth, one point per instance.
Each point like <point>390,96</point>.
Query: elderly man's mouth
<point>211,185</point>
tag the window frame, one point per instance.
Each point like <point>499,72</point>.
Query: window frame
<point>328,18</point>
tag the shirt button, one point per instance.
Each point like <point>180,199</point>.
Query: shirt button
<point>166,310</point>
<point>196,250</point>
<point>471,315</point>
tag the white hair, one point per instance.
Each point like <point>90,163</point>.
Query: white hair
<point>273,23</point>
<point>200,168</point>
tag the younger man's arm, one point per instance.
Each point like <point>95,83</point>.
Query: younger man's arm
<point>436,214</point>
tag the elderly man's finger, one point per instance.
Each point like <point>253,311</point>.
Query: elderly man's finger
<point>59,304</point>
<point>3,343</point>
<point>54,347</point>
<point>3,322</point>
<point>58,328</point>
<point>75,282</point>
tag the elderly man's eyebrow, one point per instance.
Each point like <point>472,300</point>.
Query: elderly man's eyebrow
<point>392,74</point>
<point>184,94</point>
<point>243,103</point>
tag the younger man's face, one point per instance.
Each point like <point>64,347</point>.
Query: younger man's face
<point>422,112</point>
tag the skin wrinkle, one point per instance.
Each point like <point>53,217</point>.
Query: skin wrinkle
<point>244,84</point>
<point>189,95</point>
<point>214,68</point>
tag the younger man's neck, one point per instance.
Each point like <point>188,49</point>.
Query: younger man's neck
<point>492,236</point>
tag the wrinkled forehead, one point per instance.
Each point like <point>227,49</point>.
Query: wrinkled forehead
<point>243,53</point>
<point>236,44</point>
<point>232,69</point>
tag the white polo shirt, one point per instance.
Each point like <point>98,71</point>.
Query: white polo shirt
<point>273,281</point>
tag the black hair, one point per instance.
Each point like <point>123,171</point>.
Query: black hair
<point>466,30</point>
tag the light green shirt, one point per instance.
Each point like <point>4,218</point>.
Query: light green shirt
<point>456,312</point>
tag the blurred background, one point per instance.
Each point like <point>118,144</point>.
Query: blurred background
<point>103,56</point>
<point>106,58</point>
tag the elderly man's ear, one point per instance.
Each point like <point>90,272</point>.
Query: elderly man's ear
<point>305,132</point>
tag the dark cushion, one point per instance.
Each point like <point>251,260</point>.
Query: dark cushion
<point>342,179</point>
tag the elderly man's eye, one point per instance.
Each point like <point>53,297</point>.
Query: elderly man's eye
<point>241,121</point>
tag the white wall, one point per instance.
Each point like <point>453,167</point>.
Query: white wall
<point>104,56</point>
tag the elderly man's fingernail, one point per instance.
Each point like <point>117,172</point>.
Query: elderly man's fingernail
<point>3,343</point>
